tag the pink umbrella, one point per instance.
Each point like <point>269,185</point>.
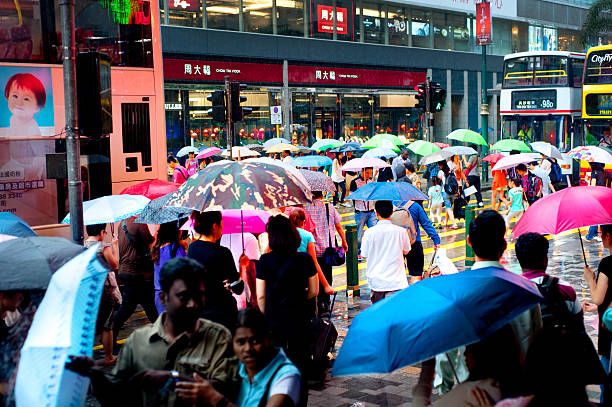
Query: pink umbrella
<point>239,221</point>
<point>441,145</point>
<point>494,158</point>
<point>512,161</point>
<point>570,208</point>
<point>359,164</point>
<point>208,152</point>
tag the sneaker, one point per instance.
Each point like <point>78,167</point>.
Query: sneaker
<point>586,240</point>
<point>346,204</point>
<point>359,258</point>
<point>597,238</point>
<point>480,205</point>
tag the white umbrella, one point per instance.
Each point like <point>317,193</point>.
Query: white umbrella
<point>591,154</point>
<point>275,141</point>
<point>358,164</point>
<point>547,149</point>
<point>186,150</point>
<point>512,161</point>
<point>379,152</point>
<point>446,153</point>
<point>111,208</point>
<point>240,152</point>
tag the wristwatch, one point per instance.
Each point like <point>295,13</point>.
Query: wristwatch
<point>175,375</point>
<point>224,402</point>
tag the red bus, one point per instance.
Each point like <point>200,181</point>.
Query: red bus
<point>32,104</point>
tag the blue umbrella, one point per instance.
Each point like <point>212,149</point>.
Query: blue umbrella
<point>309,161</point>
<point>432,317</point>
<point>111,208</point>
<point>380,152</point>
<point>11,224</point>
<point>388,191</point>
<point>275,141</point>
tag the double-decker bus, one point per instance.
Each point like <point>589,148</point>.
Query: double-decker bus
<point>541,99</point>
<point>32,106</point>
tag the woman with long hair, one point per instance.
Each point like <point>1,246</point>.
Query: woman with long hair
<point>443,175</point>
<point>166,246</point>
<point>338,179</point>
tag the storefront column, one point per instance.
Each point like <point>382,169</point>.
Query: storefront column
<point>463,106</point>
<point>493,116</point>
<point>445,116</point>
<point>286,102</point>
<point>274,19</point>
<point>204,15</point>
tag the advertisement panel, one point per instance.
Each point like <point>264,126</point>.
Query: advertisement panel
<point>184,5</point>
<point>325,19</point>
<point>26,136</point>
<point>215,71</point>
<point>321,75</point>
<point>499,8</point>
<point>483,23</point>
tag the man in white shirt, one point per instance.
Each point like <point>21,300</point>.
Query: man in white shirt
<point>539,172</point>
<point>287,159</point>
<point>384,246</point>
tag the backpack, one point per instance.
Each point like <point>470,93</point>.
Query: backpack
<point>459,207</point>
<point>555,313</point>
<point>534,188</point>
<point>451,186</point>
<point>555,171</point>
<point>402,217</point>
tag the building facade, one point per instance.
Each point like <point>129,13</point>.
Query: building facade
<point>344,68</point>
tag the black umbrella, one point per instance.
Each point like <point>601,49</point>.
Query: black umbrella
<point>28,263</point>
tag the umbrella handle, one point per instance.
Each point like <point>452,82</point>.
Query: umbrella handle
<point>112,228</point>
<point>452,367</point>
<point>582,246</point>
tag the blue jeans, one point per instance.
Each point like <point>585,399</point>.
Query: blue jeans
<point>363,219</point>
<point>592,232</point>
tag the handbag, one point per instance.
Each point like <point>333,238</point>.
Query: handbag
<point>333,255</point>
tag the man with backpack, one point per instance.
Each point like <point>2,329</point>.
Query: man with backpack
<point>552,168</point>
<point>547,186</point>
<point>532,184</point>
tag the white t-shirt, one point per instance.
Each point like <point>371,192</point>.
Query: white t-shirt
<point>288,160</point>
<point>233,241</point>
<point>337,171</point>
<point>383,246</point>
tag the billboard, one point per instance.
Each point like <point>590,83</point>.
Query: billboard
<point>483,23</point>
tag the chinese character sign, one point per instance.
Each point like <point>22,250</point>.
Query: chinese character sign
<point>483,23</point>
<point>184,5</point>
<point>326,19</point>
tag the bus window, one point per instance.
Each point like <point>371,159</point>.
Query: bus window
<point>518,73</point>
<point>598,68</point>
<point>577,70</point>
<point>550,70</point>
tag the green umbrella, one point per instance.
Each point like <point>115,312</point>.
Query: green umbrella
<point>422,147</point>
<point>510,144</point>
<point>380,139</point>
<point>326,143</point>
<point>467,136</point>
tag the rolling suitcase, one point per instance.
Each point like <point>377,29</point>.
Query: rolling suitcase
<point>324,336</point>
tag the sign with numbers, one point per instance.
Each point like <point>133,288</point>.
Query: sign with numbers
<point>534,100</point>
<point>276,115</point>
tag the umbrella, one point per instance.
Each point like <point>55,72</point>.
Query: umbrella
<point>11,224</point>
<point>186,150</point>
<point>432,317</point>
<point>157,212</point>
<point>446,153</point>
<point>358,164</point>
<point>4,238</point>
<point>380,152</point>
<point>510,144</point>
<point>547,149</point>
<point>278,148</point>
<point>318,181</point>
<point>304,149</point>
<point>570,208</point>
<point>151,189</point>
<point>388,191</point>
<point>442,145</point>
<point>45,255</point>
<point>287,167</point>
<point>255,147</point>
<point>312,161</point>
<point>240,152</point>
<point>590,154</point>
<point>64,324</point>
<point>326,143</point>
<point>422,147</point>
<point>346,148</point>
<point>467,136</point>
<point>512,161</point>
<point>494,158</point>
<point>239,221</point>
<point>275,141</point>
<point>381,143</point>
<point>207,152</point>
<point>111,208</point>
<point>241,185</point>
<point>377,141</point>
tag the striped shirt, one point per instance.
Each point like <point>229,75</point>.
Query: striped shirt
<point>324,230</point>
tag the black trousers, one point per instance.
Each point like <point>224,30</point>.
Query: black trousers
<point>342,186</point>
<point>475,181</point>
<point>323,299</point>
<point>136,290</point>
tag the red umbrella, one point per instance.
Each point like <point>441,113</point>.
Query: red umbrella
<point>570,208</point>
<point>442,145</point>
<point>151,189</point>
<point>493,158</point>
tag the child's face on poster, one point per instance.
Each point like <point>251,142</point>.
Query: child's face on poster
<point>22,102</point>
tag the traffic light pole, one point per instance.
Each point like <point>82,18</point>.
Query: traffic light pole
<point>228,118</point>
<point>427,109</point>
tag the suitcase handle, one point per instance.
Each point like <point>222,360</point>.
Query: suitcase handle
<point>331,306</point>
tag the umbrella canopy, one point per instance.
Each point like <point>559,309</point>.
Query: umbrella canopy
<point>111,208</point>
<point>433,317</point>
<point>346,148</point>
<point>388,191</point>
<point>275,141</point>
<point>64,324</point>
<point>512,161</point>
<point>312,161</point>
<point>318,181</point>
<point>4,238</point>
<point>567,209</point>
<point>467,136</point>
<point>510,144</point>
<point>241,185</point>
<point>326,143</point>
<point>442,145</point>
<point>379,141</point>
<point>590,154</point>
<point>547,149</point>
<point>157,212</point>
<point>360,163</point>
<point>304,149</point>
<point>380,152</point>
<point>208,152</point>
<point>255,147</point>
<point>151,189</point>
<point>239,221</point>
<point>240,152</point>
<point>494,158</point>
<point>286,166</point>
<point>186,150</point>
<point>446,153</point>
<point>422,147</point>
<point>280,147</point>
<point>45,255</point>
<point>11,224</point>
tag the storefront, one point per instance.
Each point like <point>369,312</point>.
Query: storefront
<point>324,101</point>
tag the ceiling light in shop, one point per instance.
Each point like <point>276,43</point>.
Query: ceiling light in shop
<point>222,10</point>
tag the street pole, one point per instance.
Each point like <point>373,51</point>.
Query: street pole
<point>228,118</point>
<point>73,153</point>
<point>484,107</point>
<point>427,109</point>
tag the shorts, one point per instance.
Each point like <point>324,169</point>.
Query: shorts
<point>448,200</point>
<point>501,189</point>
<point>415,259</point>
<point>106,315</point>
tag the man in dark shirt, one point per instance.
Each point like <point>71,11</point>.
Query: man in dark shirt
<point>135,272</point>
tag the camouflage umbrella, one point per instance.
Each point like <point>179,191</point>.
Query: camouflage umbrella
<point>318,181</point>
<point>241,185</point>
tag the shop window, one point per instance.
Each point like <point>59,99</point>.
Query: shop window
<point>187,13</point>
<point>568,41</point>
<point>322,17</point>
<point>441,31</point>
<point>223,14</point>
<point>290,17</point>
<point>502,37</point>
<point>398,26</point>
<point>420,28</point>
<point>460,31</point>
<point>258,16</point>
<point>345,10</point>
<point>373,20</point>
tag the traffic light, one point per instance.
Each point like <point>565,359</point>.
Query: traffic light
<point>421,96</point>
<point>438,97</point>
<point>217,98</point>
<point>238,112</point>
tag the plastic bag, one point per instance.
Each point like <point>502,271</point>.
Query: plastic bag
<point>445,264</point>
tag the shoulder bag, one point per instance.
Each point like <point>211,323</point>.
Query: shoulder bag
<point>333,255</point>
